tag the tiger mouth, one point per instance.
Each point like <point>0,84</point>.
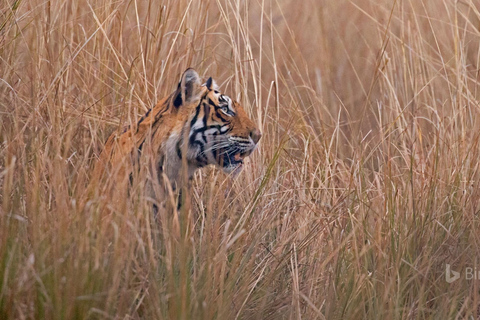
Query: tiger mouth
<point>233,161</point>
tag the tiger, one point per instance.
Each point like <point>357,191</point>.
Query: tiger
<point>193,127</point>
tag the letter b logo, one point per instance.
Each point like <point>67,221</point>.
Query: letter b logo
<point>451,275</point>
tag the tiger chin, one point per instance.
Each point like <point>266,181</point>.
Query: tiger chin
<point>193,127</point>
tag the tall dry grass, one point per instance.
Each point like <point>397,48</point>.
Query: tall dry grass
<point>365,184</point>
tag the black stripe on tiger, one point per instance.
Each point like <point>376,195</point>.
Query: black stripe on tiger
<point>201,158</point>
<point>206,112</point>
<point>194,133</point>
<point>195,117</point>
<point>217,113</point>
<point>179,150</point>
<point>221,116</point>
<point>143,118</point>
<point>159,114</point>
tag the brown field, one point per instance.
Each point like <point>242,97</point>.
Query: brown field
<point>364,187</point>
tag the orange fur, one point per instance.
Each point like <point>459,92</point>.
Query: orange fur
<point>193,127</point>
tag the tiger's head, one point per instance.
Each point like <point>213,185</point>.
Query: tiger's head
<point>220,131</point>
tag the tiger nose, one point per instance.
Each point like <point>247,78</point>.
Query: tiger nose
<point>255,134</point>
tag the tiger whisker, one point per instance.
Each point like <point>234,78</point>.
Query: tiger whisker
<point>215,147</point>
<point>230,151</point>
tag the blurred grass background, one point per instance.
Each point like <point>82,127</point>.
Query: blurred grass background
<point>364,186</point>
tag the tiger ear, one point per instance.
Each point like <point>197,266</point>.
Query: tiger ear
<point>188,88</point>
<point>211,84</point>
